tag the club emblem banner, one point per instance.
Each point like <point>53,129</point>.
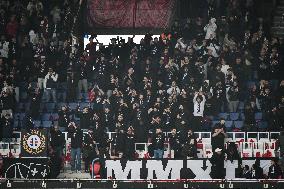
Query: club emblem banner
<point>34,143</point>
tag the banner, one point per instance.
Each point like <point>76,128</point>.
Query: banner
<point>174,169</point>
<point>34,143</point>
<point>129,13</point>
<point>25,168</point>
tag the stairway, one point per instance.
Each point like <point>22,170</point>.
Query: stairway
<point>278,20</point>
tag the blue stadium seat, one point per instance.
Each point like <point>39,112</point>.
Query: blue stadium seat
<point>242,116</point>
<point>46,124</point>
<point>258,116</point>
<point>73,106</point>
<point>20,107</point>
<point>16,123</point>
<point>250,84</point>
<point>23,95</point>
<point>234,116</point>
<point>37,123</point>
<point>50,107</point>
<point>229,125</point>
<point>241,106</point>
<point>60,104</point>
<point>239,124</point>
<point>223,116</point>
<point>54,116</point>
<point>214,122</point>
<point>46,116</point>
<point>84,104</point>
<point>27,106</point>
<point>262,125</point>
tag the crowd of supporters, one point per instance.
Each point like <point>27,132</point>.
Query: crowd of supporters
<point>176,83</point>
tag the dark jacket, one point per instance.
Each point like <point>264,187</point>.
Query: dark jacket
<point>158,141</point>
<point>76,136</point>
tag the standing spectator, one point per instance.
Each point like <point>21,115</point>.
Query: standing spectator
<point>158,143</point>
<point>129,151</point>
<point>199,103</point>
<point>57,141</point>
<point>83,78</point>
<point>4,48</point>
<point>217,161</point>
<point>246,172</point>
<point>50,82</point>
<point>76,135</point>
<point>233,97</point>
<point>189,149</point>
<point>218,135</point>
<point>275,171</point>
<point>6,130</point>
<point>210,29</point>
<point>85,117</point>
<point>175,143</point>
<point>90,149</point>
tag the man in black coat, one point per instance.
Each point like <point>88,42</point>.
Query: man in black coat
<point>89,148</point>
<point>76,135</point>
<point>217,161</point>
<point>158,143</point>
<point>175,143</point>
<point>57,141</point>
<point>275,171</point>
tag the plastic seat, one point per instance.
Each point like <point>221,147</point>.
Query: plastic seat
<point>262,125</point>
<point>258,116</point>
<point>229,125</point>
<point>84,104</point>
<point>223,116</point>
<point>234,116</point>
<point>241,106</point>
<point>239,124</point>
<point>46,124</point>
<point>46,116</point>
<point>214,122</point>
<point>37,123</point>
<point>73,106</point>
<point>55,116</point>
<point>50,107</point>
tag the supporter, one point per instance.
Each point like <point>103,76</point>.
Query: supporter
<point>90,150</point>
<point>246,172</point>
<point>35,96</point>
<point>85,117</point>
<point>158,143</point>
<point>233,97</point>
<point>64,117</point>
<point>6,127</point>
<point>218,135</point>
<point>199,103</point>
<point>275,171</point>
<point>130,139</point>
<point>50,82</point>
<point>76,136</point>
<point>57,141</point>
<point>217,161</point>
<point>189,145</point>
<point>175,143</point>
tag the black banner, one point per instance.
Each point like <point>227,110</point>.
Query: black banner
<point>26,168</point>
<point>34,143</point>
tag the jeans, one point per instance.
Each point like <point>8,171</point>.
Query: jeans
<point>233,106</point>
<point>75,158</point>
<point>82,84</point>
<point>158,154</point>
<point>50,92</point>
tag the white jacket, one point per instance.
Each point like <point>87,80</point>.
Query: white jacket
<point>210,28</point>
